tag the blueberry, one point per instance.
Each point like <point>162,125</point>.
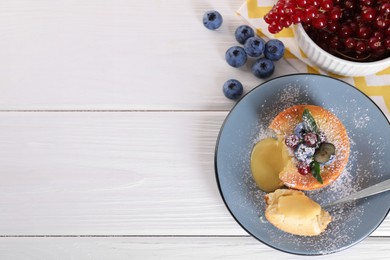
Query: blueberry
<point>254,46</point>
<point>232,89</point>
<point>324,152</point>
<point>263,68</point>
<point>274,50</point>
<point>300,130</point>
<point>236,56</point>
<point>243,32</point>
<point>212,20</point>
<point>304,153</point>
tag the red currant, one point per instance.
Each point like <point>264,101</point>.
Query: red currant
<point>267,18</point>
<point>359,29</point>
<point>374,43</point>
<point>380,22</point>
<point>274,28</point>
<point>366,2</point>
<point>360,46</point>
<point>349,4</point>
<point>364,32</point>
<point>302,3</point>
<point>350,43</point>
<point>326,5</point>
<point>335,13</point>
<point>332,26</point>
<point>384,9</point>
<point>292,141</point>
<point>280,9</point>
<point>316,3</point>
<point>311,12</point>
<point>310,139</point>
<point>298,16</point>
<point>285,21</point>
<point>319,22</point>
<point>303,168</point>
<point>368,13</point>
<point>273,15</point>
<point>379,35</point>
<point>290,8</point>
<point>345,31</point>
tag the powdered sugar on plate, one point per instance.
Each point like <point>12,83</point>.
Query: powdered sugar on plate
<point>346,217</point>
<point>369,140</point>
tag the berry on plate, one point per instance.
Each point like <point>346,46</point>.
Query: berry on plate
<point>236,56</point>
<point>292,141</point>
<point>303,168</point>
<point>232,89</point>
<point>300,130</point>
<point>310,139</point>
<point>324,152</point>
<point>304,153</point>
<point>212,19</point>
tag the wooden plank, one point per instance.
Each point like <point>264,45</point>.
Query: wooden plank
<point>117,55</point>
<point>140,173</point>
<point>169,248</point>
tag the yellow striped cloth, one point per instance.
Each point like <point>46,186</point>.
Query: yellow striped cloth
<point>376,86</point>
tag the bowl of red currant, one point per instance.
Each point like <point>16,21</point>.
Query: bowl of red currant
<point>345,37</point>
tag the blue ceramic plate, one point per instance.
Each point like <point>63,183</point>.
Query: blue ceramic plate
<point>369,132</point>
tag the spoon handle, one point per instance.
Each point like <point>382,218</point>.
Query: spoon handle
<point>372,190</point>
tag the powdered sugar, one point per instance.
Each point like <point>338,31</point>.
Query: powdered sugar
<point>346,217</point>
<point>369,149</point>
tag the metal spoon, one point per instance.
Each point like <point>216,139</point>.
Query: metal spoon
<point>372,190</point>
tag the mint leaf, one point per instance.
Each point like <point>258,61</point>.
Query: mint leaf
<point>309,122</point>
<point>315,171</point>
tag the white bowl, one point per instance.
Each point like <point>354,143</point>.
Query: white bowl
<point>331,63</point>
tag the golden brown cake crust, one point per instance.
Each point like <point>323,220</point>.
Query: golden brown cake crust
<point>284,124</point>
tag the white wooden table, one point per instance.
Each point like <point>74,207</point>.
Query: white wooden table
<point>110,111</point>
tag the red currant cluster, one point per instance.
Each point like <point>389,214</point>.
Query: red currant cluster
<point>287,12</point>
<point>357,30</point>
